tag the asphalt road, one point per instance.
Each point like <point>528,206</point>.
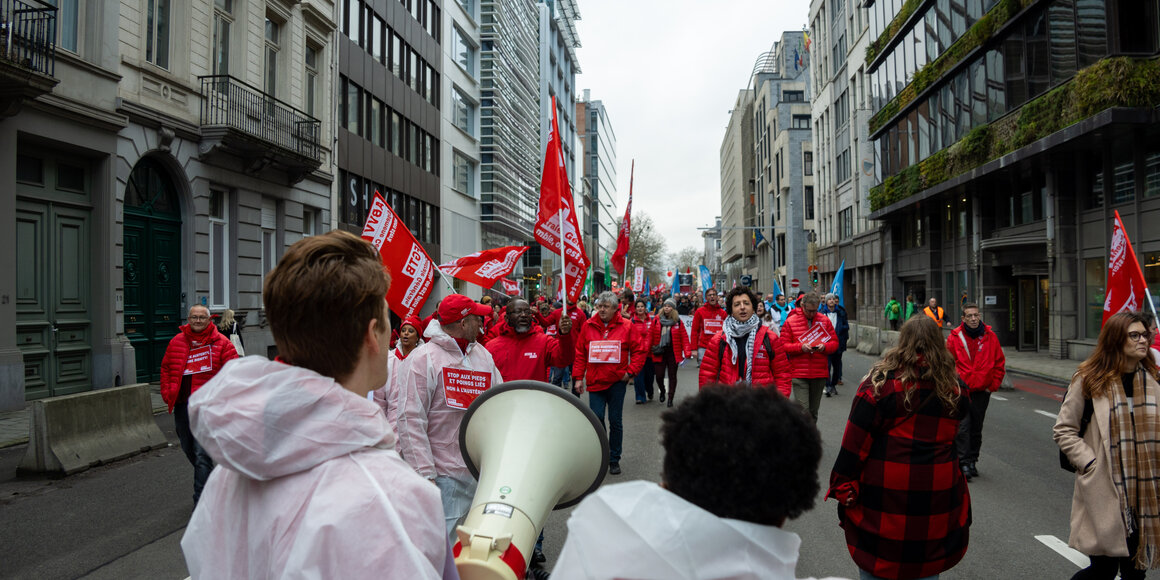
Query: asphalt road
<point>125,520</point>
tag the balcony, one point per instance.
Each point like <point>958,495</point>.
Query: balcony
<point>27,52</point>
<point>240,121</point>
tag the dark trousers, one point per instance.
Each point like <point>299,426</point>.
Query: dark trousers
<point>894,324</point>
<point>643,383</point>
<point>970,437</point>
<point>668,363</point>
<point>200,460</point>
<point>611,398</point>
<point>1105,567</point>
<point>835,361</point>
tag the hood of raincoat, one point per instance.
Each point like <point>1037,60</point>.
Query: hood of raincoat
<point>641,530</point>
<point>267,419</point>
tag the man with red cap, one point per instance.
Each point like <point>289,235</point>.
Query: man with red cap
<point>437,383</point>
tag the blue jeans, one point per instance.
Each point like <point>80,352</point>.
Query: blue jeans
<point>201,461</point>
<point>560,376</point>
<point>456,495</point>
<point>643,383</point>
<point>613,398</point>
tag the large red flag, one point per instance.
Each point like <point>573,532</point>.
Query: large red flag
<point>485,267</point>
<point>410,267</point>
<point>625,226</point>
<point>1126,287</point>
<point>556,199</point>
<point>511,287</point>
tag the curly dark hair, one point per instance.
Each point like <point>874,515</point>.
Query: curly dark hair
<point>739,291</point>
<point>742,453</point>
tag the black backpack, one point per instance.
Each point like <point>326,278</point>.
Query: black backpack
<point>721,352</point>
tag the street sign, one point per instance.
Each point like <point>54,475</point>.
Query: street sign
<point>795,283</point>
<point>746,279</point>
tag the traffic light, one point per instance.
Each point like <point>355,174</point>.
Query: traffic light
<point>814,275</point>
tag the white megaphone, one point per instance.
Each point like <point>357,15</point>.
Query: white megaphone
<point>534,447</point>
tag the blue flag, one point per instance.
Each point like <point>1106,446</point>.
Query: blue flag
<point>777,289</point>
<point>646,292</point>
<point>839,278</point>
<point>706,280</point>
<point>675,285</point>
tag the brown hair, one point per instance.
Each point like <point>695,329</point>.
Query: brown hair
<point>921,355</point>
<point>1106,363</point>
<point>811,298</point>
<point>969,305</point>
<point>739,291</point>
<point>319,299</point>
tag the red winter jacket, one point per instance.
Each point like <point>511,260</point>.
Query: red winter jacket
<point>680,340</point>
<point>814,365</point>
<point>173,364</point>
<point>701,335</point>
<point>718,365</point>
<point>553,327</point>
<point>985,369</point>
<point>528,355</point>
<point>600,375</point>
<point>642,327</point>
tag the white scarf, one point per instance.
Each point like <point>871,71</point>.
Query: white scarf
<point>734,329</point>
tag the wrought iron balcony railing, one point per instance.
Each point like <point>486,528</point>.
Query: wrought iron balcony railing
<point>28,35</point>
<point>228,102</point>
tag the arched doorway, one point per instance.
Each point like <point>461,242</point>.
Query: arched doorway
<point>152,257</point>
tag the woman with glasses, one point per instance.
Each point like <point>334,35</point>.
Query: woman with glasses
<point>1108,428</point>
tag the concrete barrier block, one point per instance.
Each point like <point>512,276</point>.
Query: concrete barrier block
<point>889,339</point>
<point>868,337</point>
<point>71,433</point>
<point>852,341</point>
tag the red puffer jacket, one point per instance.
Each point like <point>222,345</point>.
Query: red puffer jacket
<point>984,369</point>
<point>703,333</point>
<point>814,365</point>
<point>718,365</point>
<point>642,327</point>
<point>528,355</point>
<point>553,327</point>
<point>601,375</point>
<point>177,354</point>
<point>680,342</point>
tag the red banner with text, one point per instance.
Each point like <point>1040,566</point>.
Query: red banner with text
<point>486,267</point>
<point>410,267</point>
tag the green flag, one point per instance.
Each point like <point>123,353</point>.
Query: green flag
<point>607,272</point>
<point>588,283</point>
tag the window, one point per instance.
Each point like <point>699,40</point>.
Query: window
<point>1124,186</point>
<point>219,249</point>
<point>793,96</point>
<point>396,136</point>
<point>801,122</point>
<point>1061,25</point>
<point>311,60</point>
<point>269,234</point>
<point>846,224</point>
<point>398,55</point>
<point>1152,174</point>
<point>157,32</point>
<point>808,194</point>
<point>374,132</point>
<point>66,16</point>
<point>375,44</point>
<point>222,20</point>
<point>1038,55</point>
<point>464,112</point>
<point>464,51</point>
<point>270,76</point>
<point>311,218</point>
<point>353,10</point>
<point>352,103</point>
<point>1091,31</point>
<point>464,170</point>
<point>807,163</point>
<point>1095,276</point>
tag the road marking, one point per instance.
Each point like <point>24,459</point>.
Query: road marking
<point>998,398</point>
<point>1046,414</point>
<point>1064,550</point>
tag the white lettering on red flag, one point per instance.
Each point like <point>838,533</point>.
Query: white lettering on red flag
<point>638,279</point>
<point>556,199</point>
<point>410,267</point>
<point>511,287</point>
<point>1126,286</point>
<point>621,252</point>
<point>486,267</point>
<point>462,386</point>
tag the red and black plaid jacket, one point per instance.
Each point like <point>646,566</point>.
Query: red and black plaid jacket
<point>913,512</point>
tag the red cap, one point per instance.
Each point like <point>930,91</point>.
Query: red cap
<point>413,321</point>
<point>455,307</point>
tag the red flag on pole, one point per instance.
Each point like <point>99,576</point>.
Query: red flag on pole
<point>1126,288</point>
<point>485,267</point>
<point>625,228</point>
<point>510,287</point>
<point>555,207</point>
<point>410,267</point>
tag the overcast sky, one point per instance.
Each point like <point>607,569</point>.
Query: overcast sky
<point>668,73</point>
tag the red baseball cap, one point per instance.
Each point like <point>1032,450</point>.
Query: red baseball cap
<point>455,307</point>
<point>414,322</point>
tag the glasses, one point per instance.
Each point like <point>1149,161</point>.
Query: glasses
<point>1139,336</point>
<point>196,318</point>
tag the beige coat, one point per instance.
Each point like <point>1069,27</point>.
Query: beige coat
<point>1097,529</point>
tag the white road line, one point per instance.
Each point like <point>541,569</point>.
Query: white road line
<point>998,398</point>
<point>1064,550</point>
<point>1046,414</point>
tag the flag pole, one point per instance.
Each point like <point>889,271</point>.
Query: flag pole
<point>445,281</point>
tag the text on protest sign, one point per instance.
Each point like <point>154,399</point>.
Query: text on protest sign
<point>462,386</point>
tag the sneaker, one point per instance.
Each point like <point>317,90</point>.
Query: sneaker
<point>614,468</point>
<point>826,392</point>
<point>640,402</point>
<point>538,557</point>
<point>966,471</point>
<point>974,470</point>
<point>662,397</point>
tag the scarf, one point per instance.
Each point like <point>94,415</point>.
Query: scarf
<point>735,329</point>
<point>1133,430</point>
<point>667,325</point>
<point>975,333</point>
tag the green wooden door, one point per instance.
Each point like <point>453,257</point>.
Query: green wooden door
<point>152,255</point>
<point>53,324</point>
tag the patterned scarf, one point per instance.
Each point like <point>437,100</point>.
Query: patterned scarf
<point>735,329</point>
<point>1133,431</point>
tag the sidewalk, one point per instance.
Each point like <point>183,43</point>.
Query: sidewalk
<point>14,424</point>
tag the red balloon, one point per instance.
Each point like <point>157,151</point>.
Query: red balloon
<point>669,273</point>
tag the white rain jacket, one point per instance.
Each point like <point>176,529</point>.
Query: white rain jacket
<point>308,484</point>
<point>640,530</point>
<point>428,427</point>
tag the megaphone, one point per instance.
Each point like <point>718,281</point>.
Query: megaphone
<point>534,447</point>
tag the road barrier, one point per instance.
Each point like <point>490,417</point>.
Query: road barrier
<point>72,433</point>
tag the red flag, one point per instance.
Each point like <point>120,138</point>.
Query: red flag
<point>625,226</point>
<point>1126,287</point>
<point>485,267</point>
<point>556,198</point>
<point>410,267</point>
<point>511,287</point>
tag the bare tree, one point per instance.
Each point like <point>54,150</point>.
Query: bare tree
<point>687,258</point>
<point>646,247</point>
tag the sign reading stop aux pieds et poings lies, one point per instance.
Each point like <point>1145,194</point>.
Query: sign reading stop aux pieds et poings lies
<point>462,386</point>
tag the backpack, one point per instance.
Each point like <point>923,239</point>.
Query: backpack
<point>721,346</point>
<point>895,309</point>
